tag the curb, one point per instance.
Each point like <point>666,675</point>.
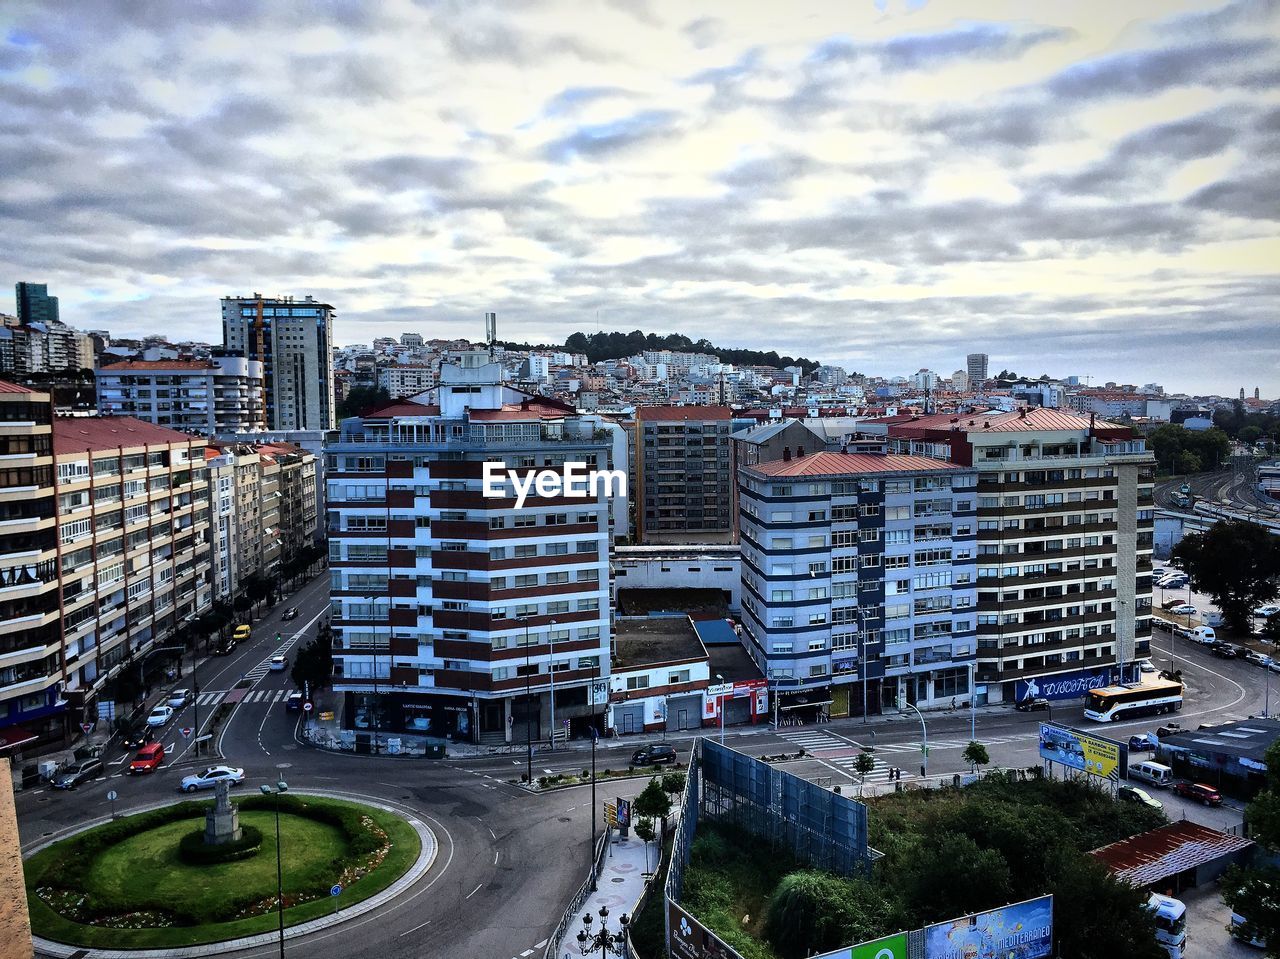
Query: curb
<point>426,859</point>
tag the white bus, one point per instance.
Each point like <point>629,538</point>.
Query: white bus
<point>1133,699</point>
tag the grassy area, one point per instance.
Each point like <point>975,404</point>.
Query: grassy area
<point>140,882</point>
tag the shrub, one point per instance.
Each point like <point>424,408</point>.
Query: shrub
<point>542,782</point>
<point>192,848</point>
<point>673,783</point>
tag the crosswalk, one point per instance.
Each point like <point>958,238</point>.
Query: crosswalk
<point>811,739</point>
<point>213,697</point>
<point>264,667</point>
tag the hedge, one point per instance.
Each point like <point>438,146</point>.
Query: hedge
<point>192,848</point>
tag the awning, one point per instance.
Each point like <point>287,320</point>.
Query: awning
<point>14,736</point>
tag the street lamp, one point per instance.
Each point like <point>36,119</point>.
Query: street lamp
<point>595,735</point>
<point>280,788</point>
<point>719,680</point>
<point>924,737</point>
<point>528,734</point>
<point>604,941</point>
<point>862,658</point>
<point>551,674</point>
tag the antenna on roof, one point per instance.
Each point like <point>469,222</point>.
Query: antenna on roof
<point>491,331</point>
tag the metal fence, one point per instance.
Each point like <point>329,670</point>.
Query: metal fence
<point>579,897</point>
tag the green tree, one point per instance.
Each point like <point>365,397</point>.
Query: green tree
<point>1250,434</point>
<point>1111,915</point>
<point>950,875</point>
<point>673,783</point>
<point>863,765</point>
<point>652,802</point>
<point>812,911</point>
<point>1235,562</point>
<point>313,663</point>
<point>646,833</point>
<point>1271,628</point>
<point>360,399</point>
<point>975,754</point>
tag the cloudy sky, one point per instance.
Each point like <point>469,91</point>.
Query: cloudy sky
<point>1070,187</point>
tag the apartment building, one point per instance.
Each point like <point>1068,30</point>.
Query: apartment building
<point>1065,533</point>
<point>296,484</point>
<point>859,579</point>
<point>682,473</point>
<point>133,553</point>
<point>293,340</point>
<point>31,678</point>
<point>976,368</point>
<point>457,613</point>
<point>224,394</point>
<point>406,379</point>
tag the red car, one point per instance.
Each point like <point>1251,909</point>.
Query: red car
<point>1199,792</point>
<point>148,759</point>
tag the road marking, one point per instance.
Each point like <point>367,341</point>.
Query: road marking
<point>473,891</point>
<point>122,759</point>
<point>421,925</point>
<point>495,857</point>
<point>540,945</point>
<point>527,952</point>
<point>492,834</point>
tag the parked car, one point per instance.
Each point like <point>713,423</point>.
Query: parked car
<point>1140,796</point>
<point>179,698</point>
<point>160,715</point>
<point>293,702</point>
<point>1184,609</point>
<point>1147,666</point>
<point>290,613</point>
<point>1141,744</point>
<point>148,759</point>
<point>1169,729</point>
<point>1031,705</point>
<point>69,777</point>
<point>1258,659</point>
<point>1266,612</point>
<point>137,734</point>
<point>226,648</point>
<point>211,777</point>
<point>654,754</point>
<point>279,663</point>
<point>1237,932</point>
<point>1199,792</point>
<point>1225,651</point>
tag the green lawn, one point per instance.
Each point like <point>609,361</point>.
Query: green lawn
<point>144,872</point>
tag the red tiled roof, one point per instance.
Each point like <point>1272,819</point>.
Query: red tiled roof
<point>144,365</point>
<point>76,434</point>
<point>998,421</point>
<point>402,408</point>
<point>682,413</point>
<point>839,464</point>
<point>7,387</point>
<point>1155,855</point>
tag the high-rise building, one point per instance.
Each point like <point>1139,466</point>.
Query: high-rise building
<point>31,675</point>
<point>292,339</point>
<point>859,579</point>
<point>454,612</point>
<point>133,551</point>
<point>224,394</point>
<point>1065,534</point>
<point>976,367</point>
<point>682,468</point>
<point>35,305</point>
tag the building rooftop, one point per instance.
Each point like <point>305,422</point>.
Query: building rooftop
<point>666,414</point>
<point>652,640</point>
<point>1160,853</point>
<point>156,365</point>
<point>7,387</point>
<point>845,464</point>
<point>733,663</point>
<point>1247,739</point>
<point>696,603</point>
<point>401,408</point>
<point>1000,421</point>
<point>79,434</point>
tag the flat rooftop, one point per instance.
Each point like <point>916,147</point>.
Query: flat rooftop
<point>698,603</point>
<point>654,639</point>
<point>1246,739</point>
<point>733,663</point>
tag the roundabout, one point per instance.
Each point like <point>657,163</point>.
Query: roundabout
<point>132,883</point>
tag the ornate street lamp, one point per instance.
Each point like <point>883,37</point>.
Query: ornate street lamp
<point>603,941</point>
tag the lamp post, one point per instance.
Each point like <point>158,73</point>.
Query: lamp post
<point>528,733</point>
<point>551,674</point>
<point>195,698</point>
<point>973,701</point>
<point>862,658</point>
<point>924,737</point>
<point>603,941</point>
<point>595,735</point>
<point>720,679</point>
<point>280,787</point>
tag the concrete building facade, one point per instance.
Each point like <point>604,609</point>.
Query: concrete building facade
<point>224,394</point>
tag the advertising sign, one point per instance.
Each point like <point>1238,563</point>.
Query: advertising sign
<point>689,939</point>
<point>1074,685</point>
<point>890,947</point>
<point>1023,930</point>
<point>1089,754</point>
<point>624,812</point>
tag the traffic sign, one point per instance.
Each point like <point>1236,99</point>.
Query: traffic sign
<point>565,724</point>
<point>111,796</point>
<point>186,732</point>
<point>335,890</point>
<point>307,707</point>
<point>87,727</point>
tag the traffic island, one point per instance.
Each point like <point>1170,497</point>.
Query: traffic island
<point>127,884</point>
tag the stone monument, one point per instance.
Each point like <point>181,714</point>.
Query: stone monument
<point>222,822</point>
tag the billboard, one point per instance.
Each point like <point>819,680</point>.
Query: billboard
<point>689,939</point>
<point>1023,930</point>
<point>1089,754</point>
<point>890,947</point>
<point>1073,685</point>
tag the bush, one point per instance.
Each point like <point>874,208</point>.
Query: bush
<point>192,848</point>
<point>673,782</point>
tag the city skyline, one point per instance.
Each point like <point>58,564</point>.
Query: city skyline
<point>1085,193</point>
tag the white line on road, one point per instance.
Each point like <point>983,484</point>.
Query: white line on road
<point>421,925</point>
<point>473,891</point>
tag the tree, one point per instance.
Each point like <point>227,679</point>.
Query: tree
<point>360,399</point>
<point>646,833</point>
<point>814,911</point>
<point>863,765</point>
<point>975,754</point>
<point>1235,562</point>
<point>313,663</point>
<point>1271,628</point>
<point>673,783</point>
<point>652,803</point>
<point>1251,891</point>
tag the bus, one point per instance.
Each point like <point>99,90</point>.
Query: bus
<point>1111,703</point>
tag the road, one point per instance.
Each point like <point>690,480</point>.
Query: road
<point>1232,488</point>
<point>508,861</point>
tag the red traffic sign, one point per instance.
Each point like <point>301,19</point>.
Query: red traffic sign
<point>87,727</point>
<point>186,732</point>
<point>307,707</point>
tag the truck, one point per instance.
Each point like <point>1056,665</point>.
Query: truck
<point>1171,923</point>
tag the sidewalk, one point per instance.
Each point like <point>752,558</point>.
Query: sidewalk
<point>621,881</point>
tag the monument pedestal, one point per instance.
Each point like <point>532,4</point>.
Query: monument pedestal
<point>222,822</point>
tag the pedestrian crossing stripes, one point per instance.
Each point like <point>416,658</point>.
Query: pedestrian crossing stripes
<point>264,667</point>
<point>879,772</point>
<point>812,740</point>
<point>268,696</point>
<point>211,698</point>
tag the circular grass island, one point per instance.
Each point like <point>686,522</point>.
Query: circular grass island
<point>127,884</point>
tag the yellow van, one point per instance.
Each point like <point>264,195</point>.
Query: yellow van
<point>241,634</point>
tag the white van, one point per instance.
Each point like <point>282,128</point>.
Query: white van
<point>1155,773</point>
<point>1203,634</point>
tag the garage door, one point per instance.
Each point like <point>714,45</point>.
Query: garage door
<point>737,710</point>
<point>629,718</point>
<point>684,712</point>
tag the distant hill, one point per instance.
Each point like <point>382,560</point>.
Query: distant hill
<point>615,345</point>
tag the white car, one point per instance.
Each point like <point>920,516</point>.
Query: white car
<point>160,715</point>
<point>179,698</point>
<point>278,663</point>
<point>211,777</point>
<point>1146,666</point>
<point>1266,612</point>
<point>1185,609</point>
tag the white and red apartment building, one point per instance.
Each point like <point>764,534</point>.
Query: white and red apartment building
<point>455,613</point>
